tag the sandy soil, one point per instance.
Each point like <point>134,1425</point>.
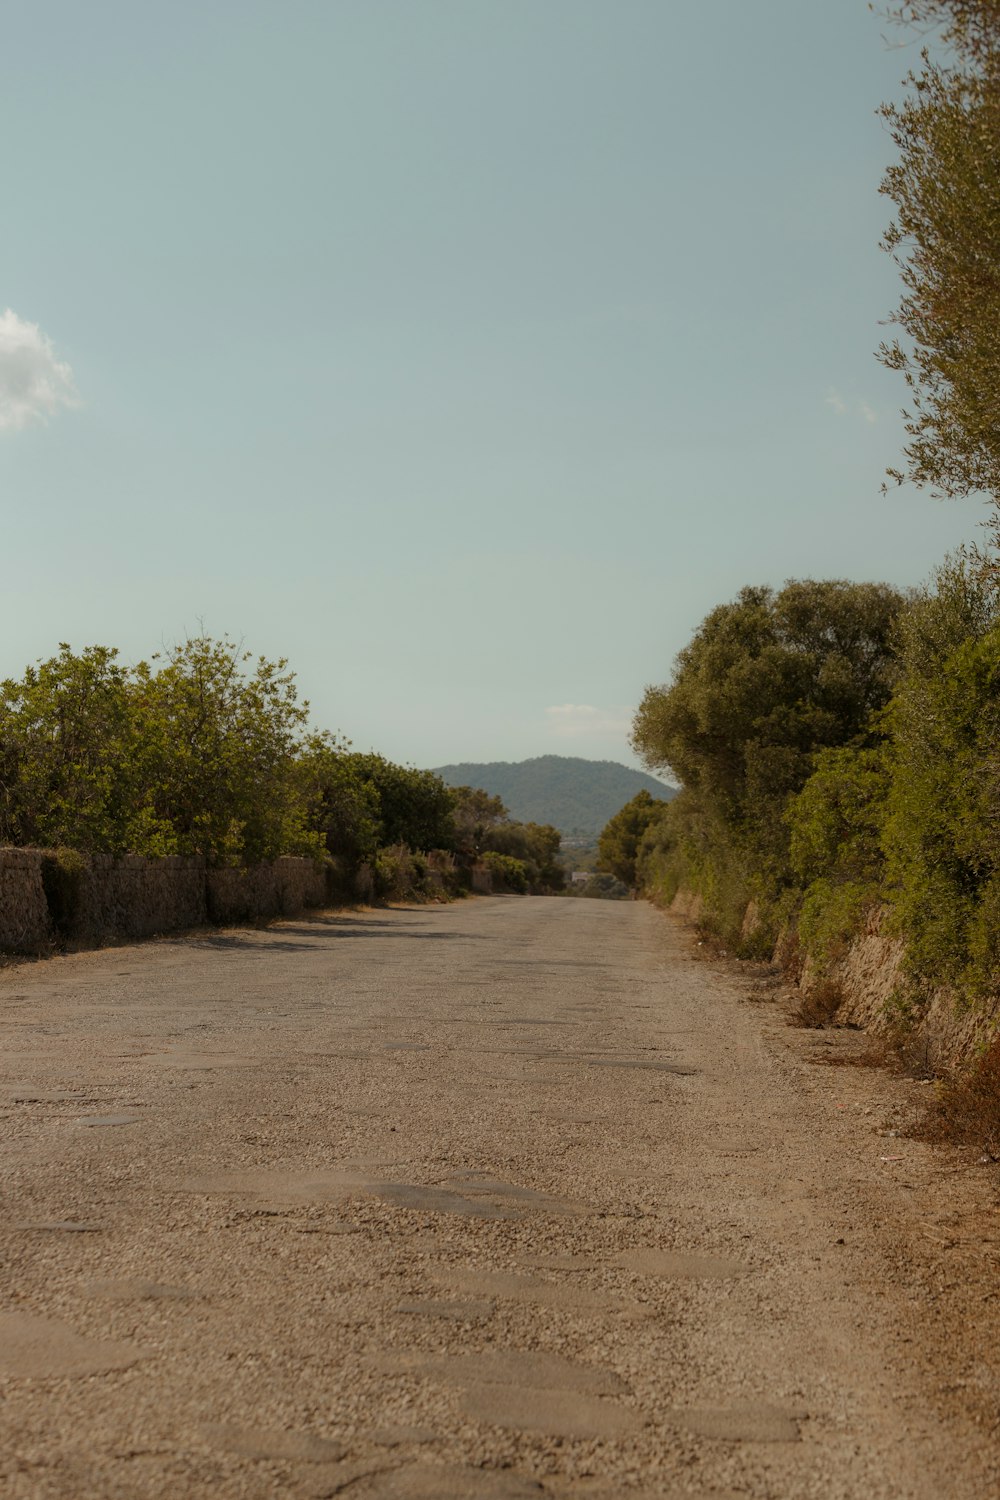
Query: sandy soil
<point>510,1198</point>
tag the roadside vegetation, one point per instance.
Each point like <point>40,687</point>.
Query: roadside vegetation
<point>838,744</point>
<point>208,750</point>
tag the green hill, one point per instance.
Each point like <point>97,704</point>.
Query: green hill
<point>577,796</point>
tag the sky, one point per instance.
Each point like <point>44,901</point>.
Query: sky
<point>464,352</point>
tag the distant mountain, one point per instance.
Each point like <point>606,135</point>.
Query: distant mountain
<point>577,796</point>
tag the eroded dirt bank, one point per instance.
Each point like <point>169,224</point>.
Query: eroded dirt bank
<point>509,1198</point>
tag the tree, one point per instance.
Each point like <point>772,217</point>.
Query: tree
<point>535,846</point>
<point>475,813</point>
<point>618,845</point>
<point>217,743</point>
<point>340,805</point>
<point>415,807</point>
<point>945,240</point>
<point>765,683</point>
<point>67,747</point>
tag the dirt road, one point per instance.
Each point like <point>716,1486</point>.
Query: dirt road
<point>510,1198</point>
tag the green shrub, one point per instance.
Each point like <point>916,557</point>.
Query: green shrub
<point>509,874</point>
<point>941,833</point>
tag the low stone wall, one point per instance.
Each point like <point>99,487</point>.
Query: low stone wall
<point>52,898</point>
<point>278,889</point>
<point>131,898</point>
<point>25,926</point>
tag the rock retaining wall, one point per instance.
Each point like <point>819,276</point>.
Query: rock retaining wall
<point>25,926</point>
<point>57,898</point>
<point>870,975</point>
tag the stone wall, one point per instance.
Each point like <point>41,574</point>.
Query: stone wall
<point>280,888</point>
<point>870,974</point>
<point>52,898</point>
<point>134,898</point>
<point>25,926</point>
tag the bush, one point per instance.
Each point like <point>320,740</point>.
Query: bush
<point>509,874</point>
<point>941,833</point>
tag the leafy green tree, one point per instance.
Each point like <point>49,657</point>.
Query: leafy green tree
<point>339,804</point>
<point>765,683</point>
<point>415,807</point>
<point>218,733</point>
<point>941,834</point>
<point>67,746</point>
<point>945,240</point>
<point>618,845</point>
<point>475,813</point>
<point>535,846</point>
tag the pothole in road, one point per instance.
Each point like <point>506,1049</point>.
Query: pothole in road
<point>35,1348</point>
<point>556,1413</point>
<point>134,1289</point>
<point>744,1422</point>
<point>535,1293</point>
<point>472,1311</point>
<point>669,1263</point>
<point>469,1194</point>
<point>434,1482</point>
<point>645,1064</point>
<point>255,1443</point>
<point>438,1200</point>
<point>529,1392</point>
<point>339,1187</point>
<point>99,1122</point>
<point>476,1185</point>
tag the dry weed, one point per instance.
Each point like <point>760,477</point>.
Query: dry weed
<point>817,1007</point>
<point>966,1106</point>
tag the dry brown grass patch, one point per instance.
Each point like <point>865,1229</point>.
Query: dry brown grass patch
<point>818,1007</point>
<point>966,1106</point>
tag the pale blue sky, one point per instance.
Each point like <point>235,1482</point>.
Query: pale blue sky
<point>465,352</point>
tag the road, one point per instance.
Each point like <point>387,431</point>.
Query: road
<point>509,1198</point>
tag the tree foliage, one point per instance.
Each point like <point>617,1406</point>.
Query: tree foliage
<point>206,750</point>
<point>218,732</point>
<point>414,807</point>
<point>475,814</point>
<point>766,683</point>
<point>941,833</point>
<point>67,753</point>
<point>945,240</point>
<point>618,845</point>
<point>533,845</point>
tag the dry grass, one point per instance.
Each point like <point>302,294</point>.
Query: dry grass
<point>818,1007</point>
<point>966,1107</point>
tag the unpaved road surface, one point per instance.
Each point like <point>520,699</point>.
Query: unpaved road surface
<point>510,1198</point>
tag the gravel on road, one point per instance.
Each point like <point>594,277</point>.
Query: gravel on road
<point>515,1197</point>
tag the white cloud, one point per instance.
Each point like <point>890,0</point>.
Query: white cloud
<point>843,406</point>
<point>583,718</point>
<point>34,384</point>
